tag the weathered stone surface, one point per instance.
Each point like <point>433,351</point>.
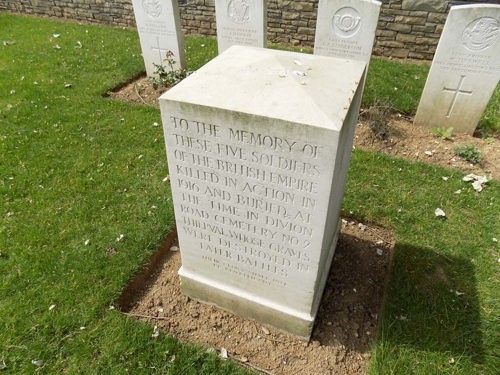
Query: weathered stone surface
<point>386,33</point>
<point>428,28</point>
<point>437,17</point>
<point>399,27</point>
<point>258,157</point>
<point>401,53</point>
<point>406,38</point>
<point>426,5</point>
<point>390,43</point>
<point>407,20</point>
<point>465,69</point>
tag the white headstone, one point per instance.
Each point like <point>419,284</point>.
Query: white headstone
<point>160,31</point>
<point>346,28</point>
<point>241,22</point>
<point>465,69</point>
<point>258,144</point>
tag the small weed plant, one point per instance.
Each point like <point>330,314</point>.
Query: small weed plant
<point>469,153</point>
<point>167,75</point>
<point>445,133</point>
<point>377,117</point>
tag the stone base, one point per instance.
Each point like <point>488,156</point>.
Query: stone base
<point>252,307</point>
<point>244,304</point>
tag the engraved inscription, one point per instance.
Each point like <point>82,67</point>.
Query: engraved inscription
<point>239,11</point>
<point>348,48</point>
<point>152,8</point>
<point>456,92</point>
<point>346,22</point>
<point>468,62</point>
<point>246,199</point>
<point>481,34</point>
<point>235,35</point>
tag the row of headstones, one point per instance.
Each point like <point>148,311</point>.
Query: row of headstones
<point>463,76</point>
<point>258,153</point>
<point>345,28</point>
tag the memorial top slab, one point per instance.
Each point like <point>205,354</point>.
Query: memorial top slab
<point>318,89</point>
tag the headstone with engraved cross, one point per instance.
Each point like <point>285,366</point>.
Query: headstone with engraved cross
<point>241,22</point>
<point>159,29</point>
<point>465,70</point>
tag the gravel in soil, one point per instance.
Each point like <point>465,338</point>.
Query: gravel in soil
<point>345,328</point>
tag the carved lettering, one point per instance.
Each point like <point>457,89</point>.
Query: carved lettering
<point>247,197</point>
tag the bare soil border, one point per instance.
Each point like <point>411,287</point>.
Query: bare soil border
<point>346,325</point>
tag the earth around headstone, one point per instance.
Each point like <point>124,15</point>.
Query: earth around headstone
<point>345,327</point>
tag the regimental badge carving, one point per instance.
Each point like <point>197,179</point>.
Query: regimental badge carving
<point>239,11</point>
<point>152,8</point>
<point>346,22</point>
<point>481,34</point>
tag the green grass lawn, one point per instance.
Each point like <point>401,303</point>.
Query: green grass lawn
<point>78,170</point>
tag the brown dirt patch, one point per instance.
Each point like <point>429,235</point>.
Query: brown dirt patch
<point>402,139</point>
<point>138,91</point>
<point>345,327</point>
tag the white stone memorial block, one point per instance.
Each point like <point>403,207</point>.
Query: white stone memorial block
<point>346,28</point>
<point>465,69</point>
<point>241,22</point>
<point>159,28</point>
<point>258,151</point>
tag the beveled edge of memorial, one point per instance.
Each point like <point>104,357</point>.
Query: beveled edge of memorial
<point>319,89</point>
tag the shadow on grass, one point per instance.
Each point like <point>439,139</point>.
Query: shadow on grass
<point>432,304</point>
<point>147,276</point>
<point>355,289</point>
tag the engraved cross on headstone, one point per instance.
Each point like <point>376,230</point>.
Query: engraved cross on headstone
<point>160,50</point>
<point>457,91</point>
